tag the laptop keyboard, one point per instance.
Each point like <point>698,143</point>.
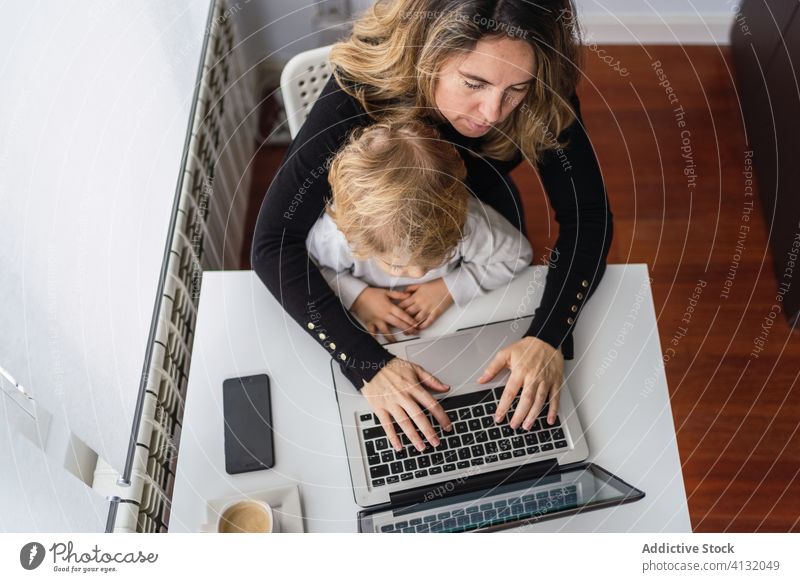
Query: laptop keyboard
<point>475,440</point>
<point>488,513</point>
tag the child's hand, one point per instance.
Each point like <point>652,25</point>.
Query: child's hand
<point>374,306</point>
<point>427,302</point>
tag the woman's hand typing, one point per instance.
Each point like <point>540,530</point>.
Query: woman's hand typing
<point>398,394</point>
<point>537,368</point>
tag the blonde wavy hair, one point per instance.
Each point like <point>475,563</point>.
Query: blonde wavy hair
<point>399,189</point>
<point>391,60</point>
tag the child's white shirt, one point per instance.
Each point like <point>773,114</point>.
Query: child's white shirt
<point>491,253</point>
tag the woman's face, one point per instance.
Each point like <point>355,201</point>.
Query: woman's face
<point>480,89</point>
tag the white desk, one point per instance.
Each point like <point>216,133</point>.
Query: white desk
<point>623,403</point>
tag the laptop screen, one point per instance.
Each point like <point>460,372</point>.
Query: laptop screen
<point>583,488</point>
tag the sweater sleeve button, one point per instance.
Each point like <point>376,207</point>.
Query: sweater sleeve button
<point>310,325</point>
<point>570,320</point>
<point>584,283</point>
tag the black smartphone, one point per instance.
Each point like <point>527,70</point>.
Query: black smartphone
<point>247,414</point>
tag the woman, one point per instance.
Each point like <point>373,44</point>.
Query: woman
<point>497,79</point>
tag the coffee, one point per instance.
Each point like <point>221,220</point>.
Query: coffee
<point>246,517</point>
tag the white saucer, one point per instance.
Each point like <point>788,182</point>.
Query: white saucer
<point>285,503</point>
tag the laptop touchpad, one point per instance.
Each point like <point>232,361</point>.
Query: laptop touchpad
<point>456,359</point>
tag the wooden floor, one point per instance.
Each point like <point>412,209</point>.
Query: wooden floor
<point>736,416</point>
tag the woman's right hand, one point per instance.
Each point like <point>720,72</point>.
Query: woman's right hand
<point>397,393</point>
<point>376,307</point>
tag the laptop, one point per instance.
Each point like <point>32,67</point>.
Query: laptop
<point>483,476</point>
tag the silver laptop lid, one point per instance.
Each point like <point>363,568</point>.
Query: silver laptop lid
<point>575,489</point>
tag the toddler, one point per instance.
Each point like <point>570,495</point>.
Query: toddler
<point>402,238</point>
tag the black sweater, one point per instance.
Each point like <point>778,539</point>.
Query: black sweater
<point>297,196</point>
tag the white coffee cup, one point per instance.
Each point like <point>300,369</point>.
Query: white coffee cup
<point>245,516</point>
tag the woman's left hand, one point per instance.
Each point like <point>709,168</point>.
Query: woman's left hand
<point>537,368</point>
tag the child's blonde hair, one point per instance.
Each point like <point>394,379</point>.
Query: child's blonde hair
<point>399,188</point>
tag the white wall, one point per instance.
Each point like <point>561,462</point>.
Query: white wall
<point>658,21</point>
<point>93,116</point>
<point>277,30</point>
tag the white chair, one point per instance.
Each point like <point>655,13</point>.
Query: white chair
<point>302,80</point>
